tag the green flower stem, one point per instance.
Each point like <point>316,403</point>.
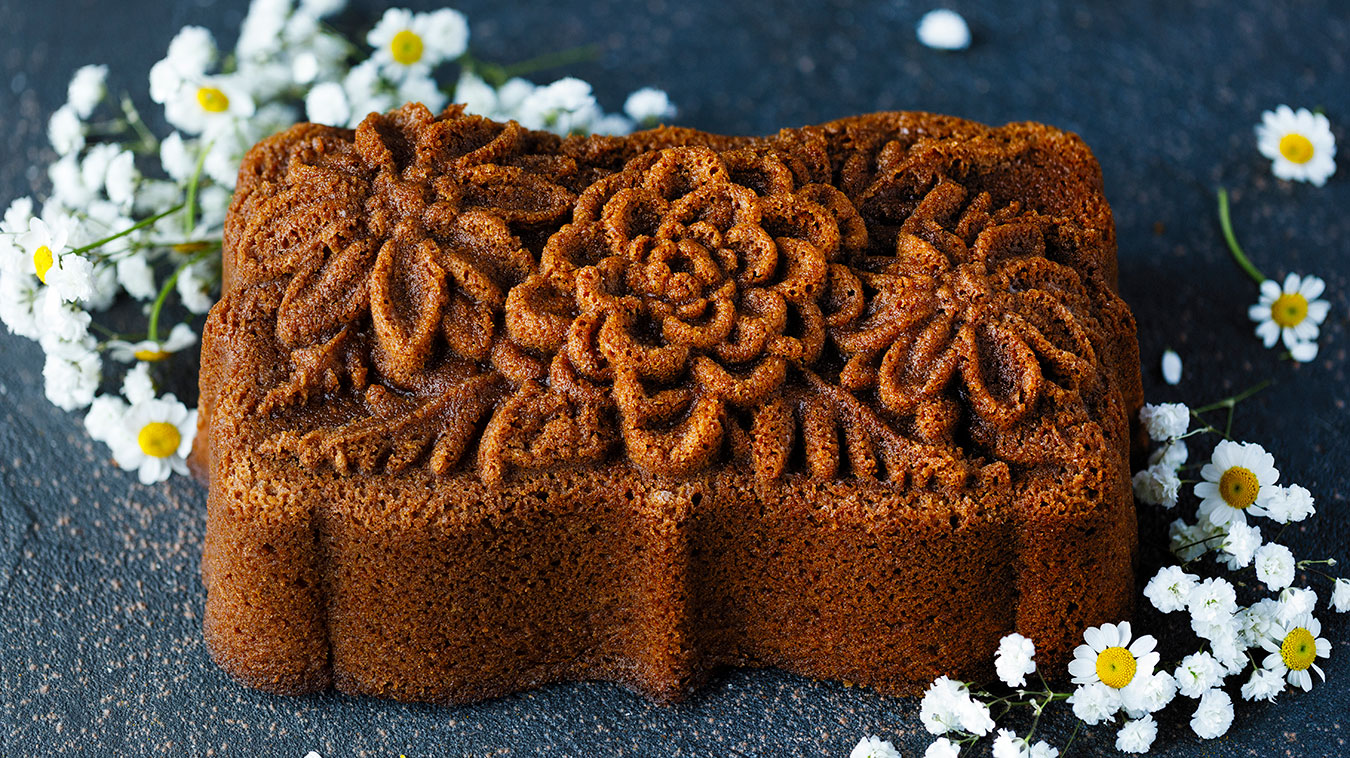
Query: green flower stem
<point>138,225</point>
<point>189,218</point>
<point>152,331</point>
<point>497,74</point>
<point>1229,402</point>
<point>1076,727</point>
<point>1226,224</point>
<point>149,143</point>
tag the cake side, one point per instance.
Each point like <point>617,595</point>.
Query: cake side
<point>952,369</point>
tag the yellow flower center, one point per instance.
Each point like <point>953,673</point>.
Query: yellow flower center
<point>151,355</point>
<point>212,100</point>
<point>1238,487</point>
<point>1289,310</point>
<point>42,262</point>
<point>1299,649</point>
<point>406,47</point>
<point>159,439</point>
<point>1115,667</point>
<point>1296,148</point>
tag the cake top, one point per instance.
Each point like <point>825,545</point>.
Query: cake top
<point>898,296</point>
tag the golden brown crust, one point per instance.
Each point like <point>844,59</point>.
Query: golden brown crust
<point>873,368</point>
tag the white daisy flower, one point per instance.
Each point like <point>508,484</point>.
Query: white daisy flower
<point>86,89</point>
<point>1171,455</point>
<point>180,336</point>
<point>1015,659</point>
<point>68,274</point>
<point>1214,714</point>
<point>1197,673</point>
<point>1275,565</point>
<point>104,416</point>
<point>326,103</point>
<point>947,706</point>
<point>942,748</point>
<point>71,373</point>
<point>65,131</point>
<point>873,747</point>
<point>1137,736</point>
<point>191,52</point>
<point>1239,478</point>
<point>1170,588</point>
<point>943,29</point>
<point>1292,314</point>
<point>1295,648</point>
<point>1165,421</point>
<point>155,438</point>
<point>1299,144</point>
<point>1094,703</point>
<point>1111,658</point>
<point>1340,596</point>
<point>19,296</point>
<point>1239,545</point>
<point>414,43</point>
<point>648,106</point>
<point>209,105</point>
<point>1157,485</point>
<point>1264,684</point>
<point>1171,367</point>
<point>1292,503</point>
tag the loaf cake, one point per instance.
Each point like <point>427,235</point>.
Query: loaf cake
<point>484,408</point>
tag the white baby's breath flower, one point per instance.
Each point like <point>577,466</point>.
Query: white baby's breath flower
<point>70,192</point>
<point>326,103</point>
<point>155,438</point>
<point>1157,485</point>
<point>1095,703</point>
<point>191,52</point>
<point>1299,144</point>
<point>1295,603</point>
<point>121,178</point>
<point>873,747</point>
<point>1212,601</point>
<point>1172,455</point>
<point>1014,659</point>
<point>196,285</point>
<point>1213,715</point>
<point>65,131</point>
<point>178,157</point>
<point>943,29</point>
<point>1292,503</point>
<point>1137,736</point>
<point>321,8</point>
<point>1340,596</point>
<point>152,351</point>
<point>649,106</point>
<point>1165,421</point>
<point>947,706</point>
<point>1292,314</point>
<point>1190,541</point>
<point>1294,649</point>
<point>478,97</point>
<point>260,32</point>
<point>1239,479</point>
<point>1157,692</point>
<point>1170,588</point>
<point>942,748</point>
<point>104,416</point>
<point>1275,565</point>
<point>1239,545</point>
<point>59,320</point>
<point>367,92</point>
<point>417,88</point>
<point>413,43</point>
<point>137,277</point>
<point>1008,745</point>
<point>105,288</point>
<point>19,297</point>
<point>566,106</point>
<point>1171,367</point>
<point>1264,684</point>
<point>71,373</point>
<point>137,385</point>
<point>86,89</point>
<point>1197,673</point>
<point>1257,621</point>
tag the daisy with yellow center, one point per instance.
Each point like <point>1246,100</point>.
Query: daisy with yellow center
<point>1111,658</point>
<point>1238,480</point>
<point>410,44</point>
<point>1294,649</point>
<point>1299,144</point>
<point>154,438</point>
<point>152,351</point>
<point>1292,314</point>
<point>207,104</point>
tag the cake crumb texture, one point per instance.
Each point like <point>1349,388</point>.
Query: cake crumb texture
<point>484,408</point>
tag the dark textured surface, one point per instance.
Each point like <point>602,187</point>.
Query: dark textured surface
<point>100,648</point>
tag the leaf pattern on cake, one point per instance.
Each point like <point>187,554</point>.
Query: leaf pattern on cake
<point>457,289</point>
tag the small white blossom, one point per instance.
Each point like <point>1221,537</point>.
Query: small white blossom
<point>1197,673</point>
<point>1239,545</point>
<point>137,277</point>
<point>1213,715</point>
<point>566,106</point>
<point>1110,657</point>
<point>65,131</point>
<point>1170,589</point>
<point>178,160</point>
<point>648,106</point>
<point>104,416</point>
<point>326,103</point>
<point>1165,421</point>
<point>1212,601</point>
<point>1275,565</point>
<point>19,297</point>
<point>873,747</point>
<point>137,385</point>
<point>87,88</point>
<point>1289,504</point>
<point>1340,596</point>
<point>120,180</point>
<point>1157,485</point>
<point>1095,703</point>
<point>1264,684</point>
<point>59,320</point>
<point>1157,692</point>
<point>942,748</point>
<point>1190,541</point>
<point>1171,367</point>
<point>71,373</point>
<point>196,286</point>
<point>947,705</point>
<point>1292,314</point>
<point>1299,144</point>
<point>1294,603</point>
<point>260,32</point>
<point>1137,736</point>
<point>943,29</point>
<point>1172,455</point>
<point>419,88</point>
<point>1015,659</point>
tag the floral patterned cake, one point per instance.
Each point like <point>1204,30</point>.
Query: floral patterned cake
<point>484,408</point>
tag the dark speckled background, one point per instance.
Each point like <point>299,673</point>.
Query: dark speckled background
<point>100,601</point>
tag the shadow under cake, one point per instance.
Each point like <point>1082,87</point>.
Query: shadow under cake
<point>484,408</point>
